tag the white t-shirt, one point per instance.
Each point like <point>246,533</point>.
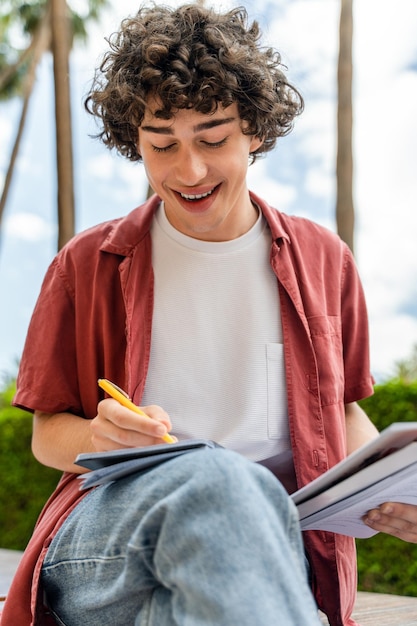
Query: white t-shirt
<point>216,363</point>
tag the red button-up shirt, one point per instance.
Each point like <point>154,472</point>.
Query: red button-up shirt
<point>98,295</point>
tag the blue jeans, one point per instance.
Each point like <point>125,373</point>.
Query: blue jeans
<point>208,538</point>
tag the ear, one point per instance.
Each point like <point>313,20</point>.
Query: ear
<point>255,144</point>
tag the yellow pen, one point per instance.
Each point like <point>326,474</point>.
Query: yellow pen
<point>121,396</point>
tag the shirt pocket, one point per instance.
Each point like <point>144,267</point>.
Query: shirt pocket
<point>326,335</point>
<point>276,392</point>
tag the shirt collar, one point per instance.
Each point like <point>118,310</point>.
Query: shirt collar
<point>130,230</point>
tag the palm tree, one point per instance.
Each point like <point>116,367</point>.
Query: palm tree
<point>60,30</point>
<point>19,77</point>
<point>345,214</point>
<point>48,25</point>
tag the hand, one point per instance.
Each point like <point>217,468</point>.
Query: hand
<point>118,427</point>
<point>393,518</point>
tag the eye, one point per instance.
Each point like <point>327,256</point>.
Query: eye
<point>215,144</point>
<point>162,149</point>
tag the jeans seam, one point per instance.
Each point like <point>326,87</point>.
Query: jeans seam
<point>96,559</point>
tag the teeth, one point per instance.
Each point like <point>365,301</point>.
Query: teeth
<point>197,196</point>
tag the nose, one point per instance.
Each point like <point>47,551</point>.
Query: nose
<point>191,167</point>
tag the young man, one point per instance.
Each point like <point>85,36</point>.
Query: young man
<point>224,319</point>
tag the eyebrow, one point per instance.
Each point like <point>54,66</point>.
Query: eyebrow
<point>168,130</point>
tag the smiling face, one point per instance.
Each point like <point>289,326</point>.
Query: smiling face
<point>197,164</point>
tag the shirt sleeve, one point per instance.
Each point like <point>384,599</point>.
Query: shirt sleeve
<point>355,334</point>
<point>47,379</point>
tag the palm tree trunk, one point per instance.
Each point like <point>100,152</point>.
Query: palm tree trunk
<point>61,50</point>
<point>41,44</point>
<point>345,214</point>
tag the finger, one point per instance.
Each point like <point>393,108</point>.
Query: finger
<point>153,423</point>
<point>384,520</point>
<point>117,441</point>
<point>116,426</point>
<point>401,510</point>
<point>157,413</point>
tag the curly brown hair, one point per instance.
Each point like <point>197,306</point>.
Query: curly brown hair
<point>190,57</point>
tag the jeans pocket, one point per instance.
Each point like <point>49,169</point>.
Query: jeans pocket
<point>57,618</point>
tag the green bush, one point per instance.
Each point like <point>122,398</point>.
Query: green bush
<point>387,564</point>
<point>25,484</point>
<point>394,401</point>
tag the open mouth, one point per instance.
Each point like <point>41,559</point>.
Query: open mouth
<point>195,197</point>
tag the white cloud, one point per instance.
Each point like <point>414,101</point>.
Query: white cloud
<point>6,129</point>
<point>27,227</point>
<point>277,194</point>
<point>386,199</point>
<point>134,178</point>
<point>319,182</point>
<point>392,337</point>
<point>5,134</point>
<point>306,35</point>
<point>101,167</point>
<point>316,129</point>
<point>385,39</point>
<point>127,180</point>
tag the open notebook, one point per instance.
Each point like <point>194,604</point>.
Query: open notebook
<point>384,470</point>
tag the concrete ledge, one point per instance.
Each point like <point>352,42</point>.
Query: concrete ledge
<point>381,609</point>
<point>9,560</point>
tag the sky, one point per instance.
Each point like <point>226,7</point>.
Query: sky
<point>297,178</point>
